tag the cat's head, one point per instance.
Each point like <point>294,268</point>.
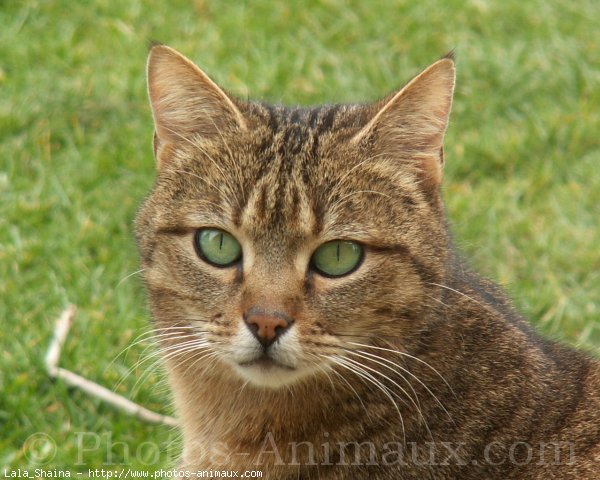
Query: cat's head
<point>276,240</point>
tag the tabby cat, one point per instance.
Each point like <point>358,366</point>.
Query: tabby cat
<point>314,316</point>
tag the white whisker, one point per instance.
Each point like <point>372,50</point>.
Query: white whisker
<point>408,372</point>
<point>407,355</point>
<point>129,276</point>
<point>362,373</point>
<point>460,293</point>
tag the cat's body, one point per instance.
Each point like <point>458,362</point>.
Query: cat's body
<point>404,366</point>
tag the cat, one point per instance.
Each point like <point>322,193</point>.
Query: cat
<point>314,317</point>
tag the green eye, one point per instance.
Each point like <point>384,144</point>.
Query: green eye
<point>217,247</point>
<point>337,258</point>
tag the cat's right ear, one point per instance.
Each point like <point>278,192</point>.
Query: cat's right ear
<point>185,102</point>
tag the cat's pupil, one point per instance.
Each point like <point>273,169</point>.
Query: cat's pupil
<point>337,258</point>
<point>217,247</point>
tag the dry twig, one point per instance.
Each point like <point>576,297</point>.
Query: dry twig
<point>53,356</point>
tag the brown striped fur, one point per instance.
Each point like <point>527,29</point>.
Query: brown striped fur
<point>443,355</point>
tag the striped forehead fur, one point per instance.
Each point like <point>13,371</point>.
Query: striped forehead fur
<point>290,167</point>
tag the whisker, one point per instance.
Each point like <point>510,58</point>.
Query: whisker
<point>192,364</point>
<point>320,367</point>
<point>460,293</point>
<point>352,335</point>
<point>407,355</point>
<point>144,376</point>
<point>160,359</point>
<point>129,276</point>
<point>409,373</point>
<point>158,333</point>
<point>431,297</point>
<point>354,390</point>
<point>361,373</point>
<point>150,336</point>
<point>158,353</point>
<point>386,377</point>
<point>377,359</point>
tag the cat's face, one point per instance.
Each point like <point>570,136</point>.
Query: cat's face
<point>278,239</point>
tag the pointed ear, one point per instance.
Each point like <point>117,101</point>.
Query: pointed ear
<point>412,122</point>
<point>185,101</point>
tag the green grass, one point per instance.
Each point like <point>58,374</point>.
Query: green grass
<point>522,174</point>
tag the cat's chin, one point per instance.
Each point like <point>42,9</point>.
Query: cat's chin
<point>267,373</point>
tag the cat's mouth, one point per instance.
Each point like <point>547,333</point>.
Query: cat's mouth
<point>270,371</point>
<point>265,362</point>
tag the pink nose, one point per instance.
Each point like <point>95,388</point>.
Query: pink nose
<point>267,325</point>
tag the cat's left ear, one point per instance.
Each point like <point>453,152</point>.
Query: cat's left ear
<point>412,122</point>
<point>185,102</point>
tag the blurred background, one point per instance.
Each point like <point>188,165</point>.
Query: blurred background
<point>522,174</point>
